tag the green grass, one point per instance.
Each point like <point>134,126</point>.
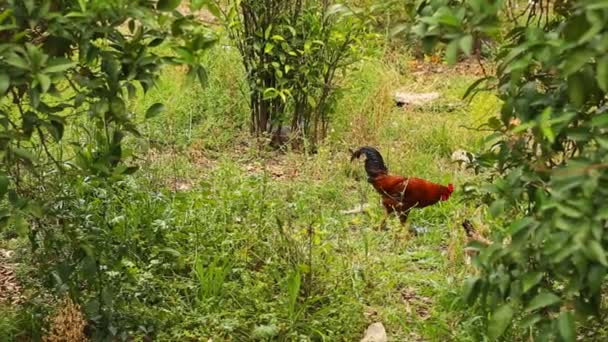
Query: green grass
<point>235,213</point>
<point>246,254</point>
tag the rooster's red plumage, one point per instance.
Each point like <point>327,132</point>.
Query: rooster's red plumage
<point>400,194</point>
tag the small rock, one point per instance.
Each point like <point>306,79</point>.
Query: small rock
<point>463,158</point>
<point>417,99</point>
<point>375,333</point>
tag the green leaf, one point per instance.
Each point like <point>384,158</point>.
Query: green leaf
<point>268,48</point>
<point>167,5</point>
<point>58,65</point>
<point>21,226</point>
<point>576,89</point>
<point>597,252</point>
<point>185,54</point>
<point>497,207</point>
<point>17,62</point>
<point>565,325</point>
<point>466,44</point>
<point>520,224</point>
<point>545,124</point>
<point>471,289</point>
<point>451,52</point>
<point>569,211</point>
<point>543,300</point>
<point>23,154</point>
<point>602,73</point>
<point>531,279</point>
<point>600,120</point>
<point>267,32</point>
<point>445,16</point>
<point>501,319</point>
<point>474,86</point>
<point>576,61</point>
<point>196,5</point>
<point>45,82</point>
<point>5,82</point>
<point>154,110</point>
<point>596,277</point>
<point>57,129</point>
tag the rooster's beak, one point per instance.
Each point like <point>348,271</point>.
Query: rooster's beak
<point>353,156</point>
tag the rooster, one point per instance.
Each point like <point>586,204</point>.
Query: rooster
<point>399,194</point>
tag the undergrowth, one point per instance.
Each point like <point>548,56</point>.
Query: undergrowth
<point>215,238</point>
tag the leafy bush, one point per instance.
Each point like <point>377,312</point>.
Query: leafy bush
<point>546,162</point>
<point>69,71</point>
<point>292,52</point>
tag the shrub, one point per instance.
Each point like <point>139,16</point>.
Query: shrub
<point>545,163</point>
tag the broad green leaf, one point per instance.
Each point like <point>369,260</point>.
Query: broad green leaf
<point>23,154</point>
<point>451,52</point>
<point>500,320</point>
<point>602,73</point>
<point>171,251</point>
<point>596,277</point>
<point>21,225</point>
<point>268,48</point>
<point>185,54</point>
<point>397,29</point>
<point>576,61</point>
<point>466,44</point>
<point>5,82</point>
<point>520,224</point>
<point>497,207</point>
<point>531,279</point>
<point>118,106</point>
<point>17,62</point>
<point>45,82</point>
<point>445,16</point>
<point>267,32</point>
<point>597,252</point>
<point>602,142</point>
<point>154,110</point>
<point>58,65</point>
<point>569,211</point>
<point>213,8</point>
<point>565,324</point>
<point>167,5</point>
<point>576,89</point>
<point>471,289</point>
<point>600,120</point>
<point>545,124</point>
<point>196,5</point>
<point>543,300</point>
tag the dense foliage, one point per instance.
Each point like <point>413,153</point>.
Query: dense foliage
<point>68,73</point>
<point>246,246</point>
<point>292,52</point>
<point>546,161</point>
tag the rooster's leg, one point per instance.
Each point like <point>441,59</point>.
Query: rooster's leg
<point>388,211</point>
<point>403,219</point>
<point>382,225</point>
